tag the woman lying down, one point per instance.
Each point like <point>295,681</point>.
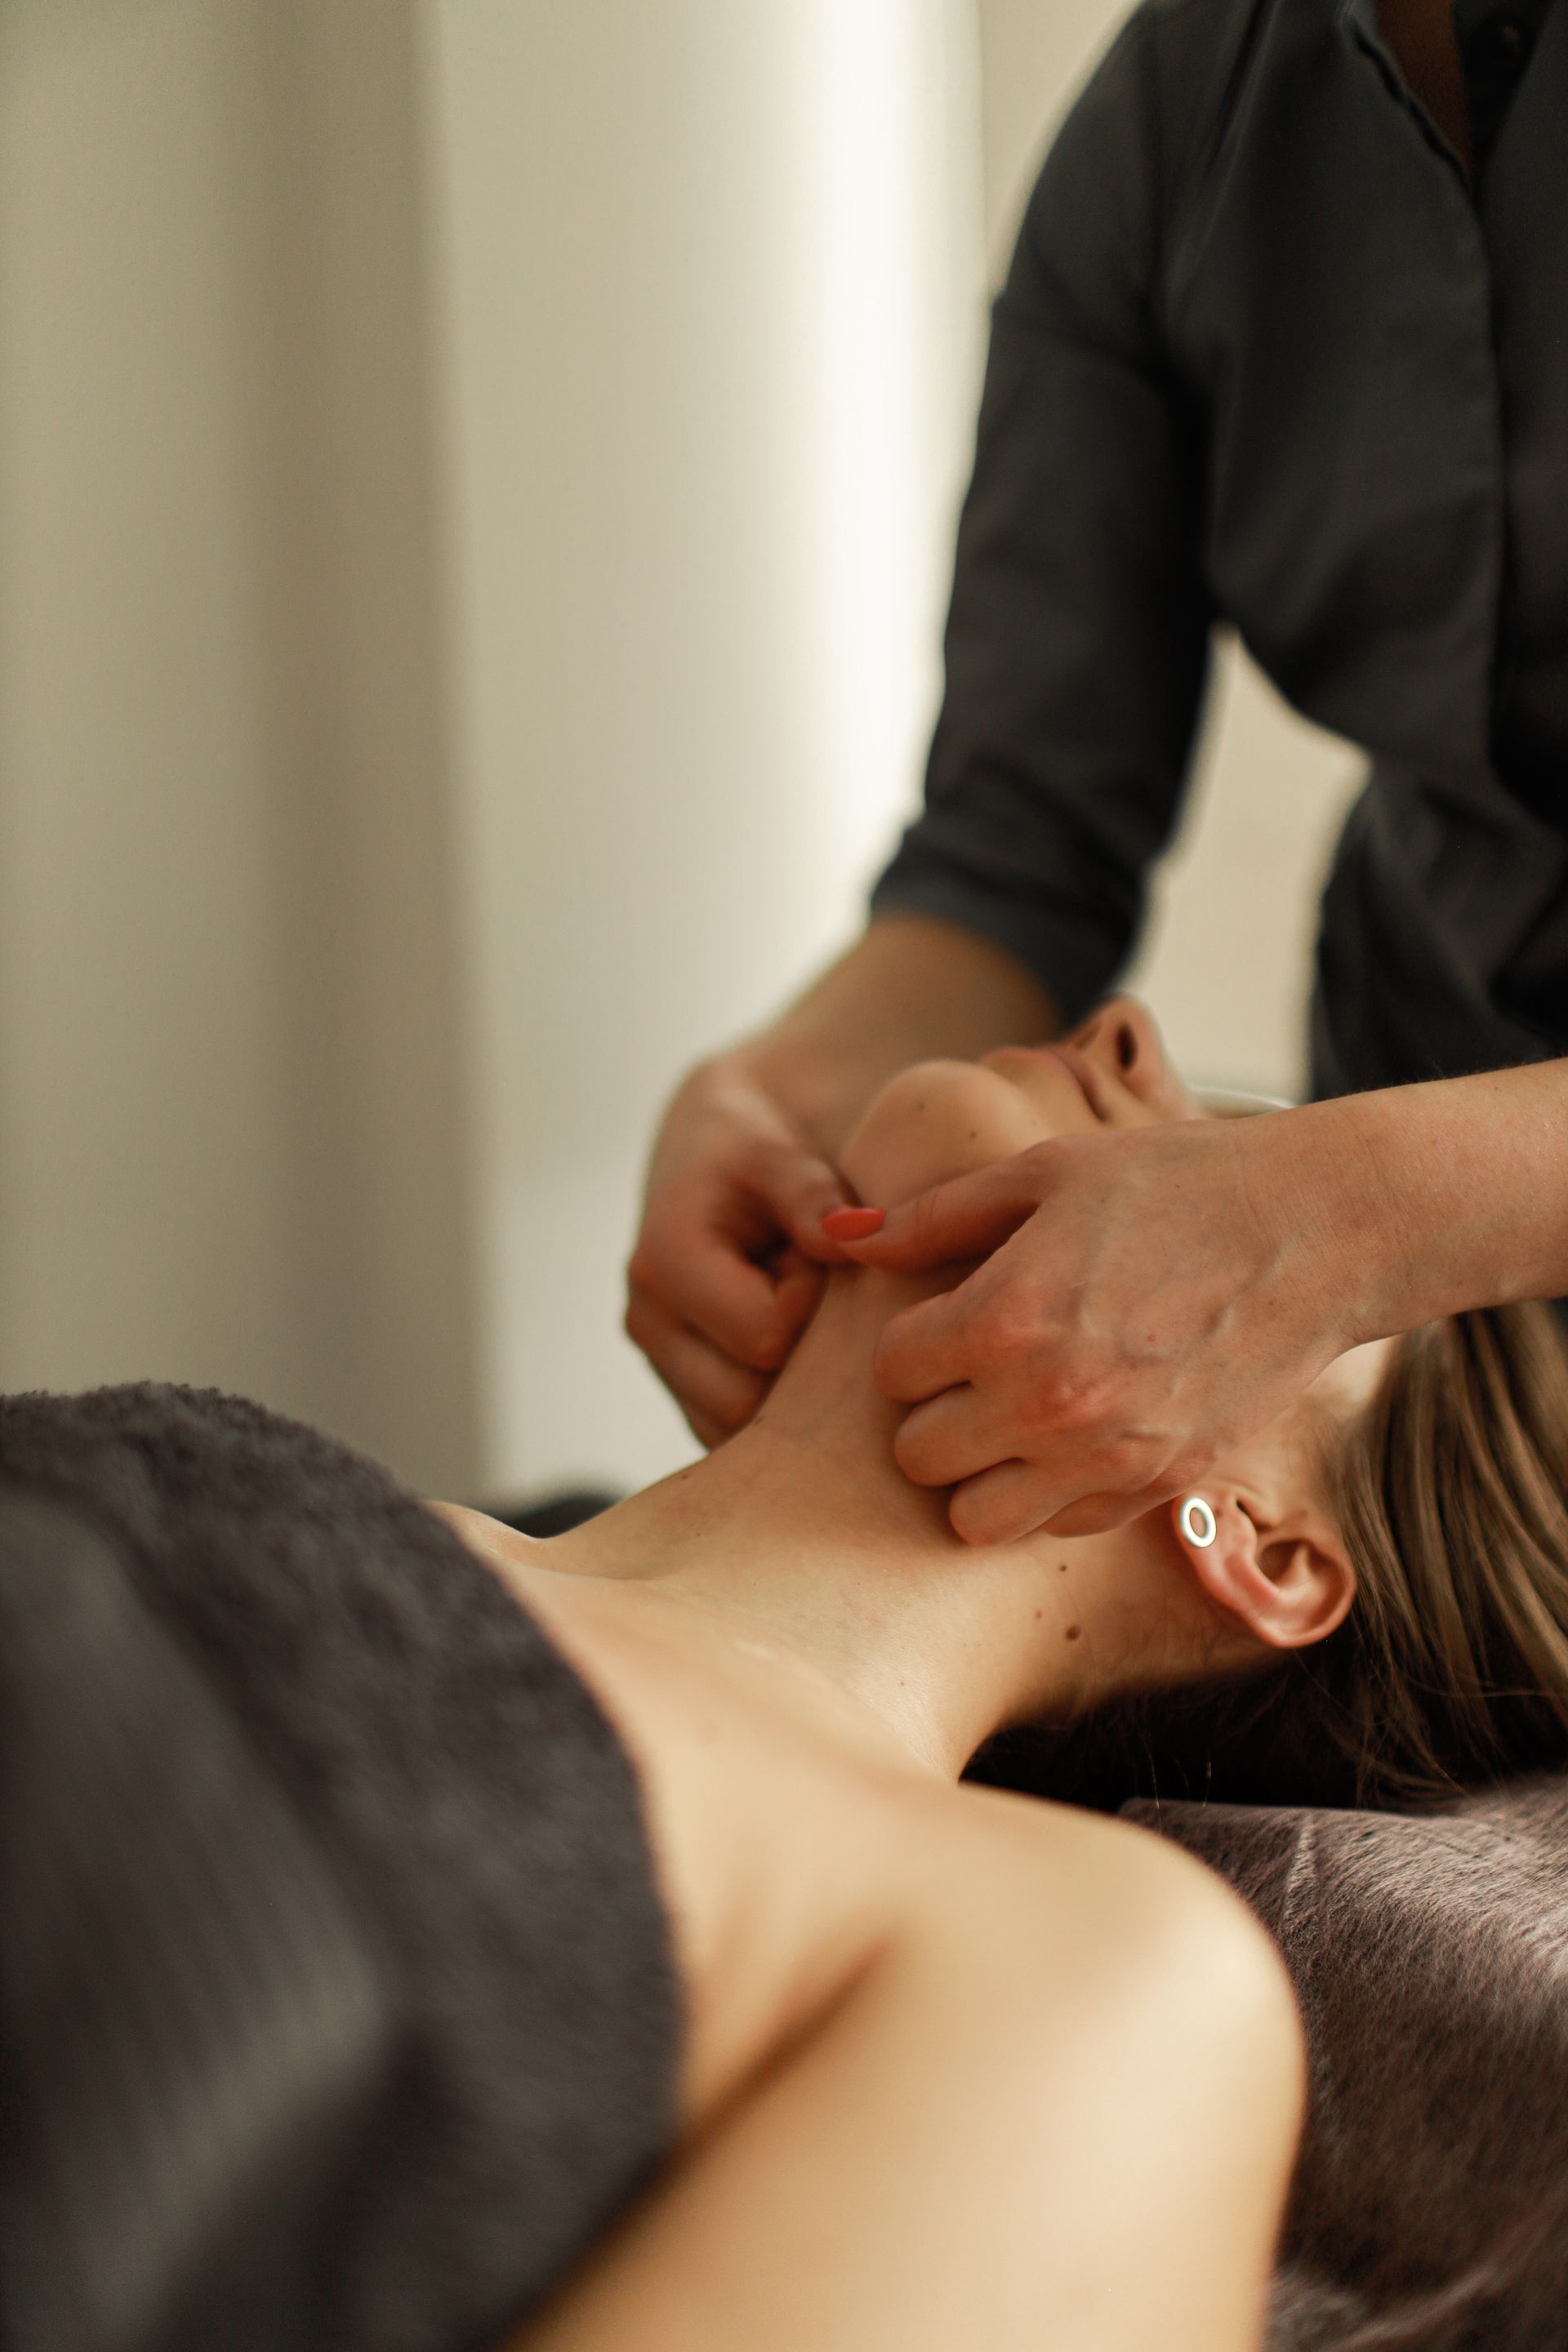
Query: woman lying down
<point>603,1953</point>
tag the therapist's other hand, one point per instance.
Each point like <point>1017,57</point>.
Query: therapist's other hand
<point>729,1263</point>
<point>1147,1298</point>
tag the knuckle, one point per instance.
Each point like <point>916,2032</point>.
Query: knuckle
<point>637,1322</point>
<point>757,1162</point>
<point>645,1266</point>
<point>1052,1405</point>
<point>769,1348</point>
<point>1080,1401</point>
<point>1010,1332</point>
<point>914,1452</point>
<point>705,1422</point>
<point>969,1517</point>
<point>888,1360</point>
<point>981,1522</point>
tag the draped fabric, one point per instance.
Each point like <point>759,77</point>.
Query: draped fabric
<point>337,2005</point>
<point>1429,2210</point>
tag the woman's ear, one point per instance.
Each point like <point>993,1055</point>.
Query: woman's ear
<point>1289,1585</point>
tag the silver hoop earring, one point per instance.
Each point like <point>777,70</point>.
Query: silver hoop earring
<point>1197,1522</point>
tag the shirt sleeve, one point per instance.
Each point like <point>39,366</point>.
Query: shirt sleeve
<point>1078,636</point>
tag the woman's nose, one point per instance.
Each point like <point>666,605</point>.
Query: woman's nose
<point>1121,1036</point>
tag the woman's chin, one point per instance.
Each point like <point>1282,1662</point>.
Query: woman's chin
<point>937,1120</point>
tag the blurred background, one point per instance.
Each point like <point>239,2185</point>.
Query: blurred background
<point>479,479</point>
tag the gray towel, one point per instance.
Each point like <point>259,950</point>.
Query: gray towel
<point>336,1999</point>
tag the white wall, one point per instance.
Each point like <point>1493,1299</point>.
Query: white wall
<point>231,1123</point>
<point>1227,959</point>
<point>141,1159</point>
<point>710,342</point>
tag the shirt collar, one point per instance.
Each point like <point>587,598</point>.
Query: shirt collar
<point>1467,14</point>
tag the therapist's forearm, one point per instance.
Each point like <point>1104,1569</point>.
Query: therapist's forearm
<point>1440,1197</point>
<point>911,989</point>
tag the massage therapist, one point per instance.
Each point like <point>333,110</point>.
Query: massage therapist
<point>1284,345</point>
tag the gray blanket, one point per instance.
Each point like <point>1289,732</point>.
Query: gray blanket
<point>337,2004</point>
<point>1430,1955</point>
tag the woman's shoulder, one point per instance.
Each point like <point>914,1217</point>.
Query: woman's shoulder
<point>785,1839</point>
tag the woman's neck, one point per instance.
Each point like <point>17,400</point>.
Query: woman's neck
<point>803,1532</point>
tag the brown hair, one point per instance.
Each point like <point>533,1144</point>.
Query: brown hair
<point>1450,1491</point>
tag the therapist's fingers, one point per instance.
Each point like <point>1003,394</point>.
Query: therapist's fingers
<point>1001,1506</point>
<point>1093,1514</point>
<point>717,1394</point>
<point>966,1218</point>
<point>799,1190</point>
<point>699,1273</point>
<point>959,1440</point>
<point>925,1349</point>
<point>947,1439</point>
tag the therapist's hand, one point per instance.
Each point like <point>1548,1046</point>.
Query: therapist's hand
<point>729,1263</point>
<point>1152,1296</point>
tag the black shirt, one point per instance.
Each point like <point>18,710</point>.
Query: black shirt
<point>1268,355</point>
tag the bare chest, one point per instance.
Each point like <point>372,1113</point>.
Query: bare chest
<point>786,1854</point>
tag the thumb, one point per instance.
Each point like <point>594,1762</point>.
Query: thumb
<point>968,1217</point>
<point>801,1189</point>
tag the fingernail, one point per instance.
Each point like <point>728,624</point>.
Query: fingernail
<point>853,1224</point>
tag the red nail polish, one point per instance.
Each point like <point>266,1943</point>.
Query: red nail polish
<point>853,1224</point>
